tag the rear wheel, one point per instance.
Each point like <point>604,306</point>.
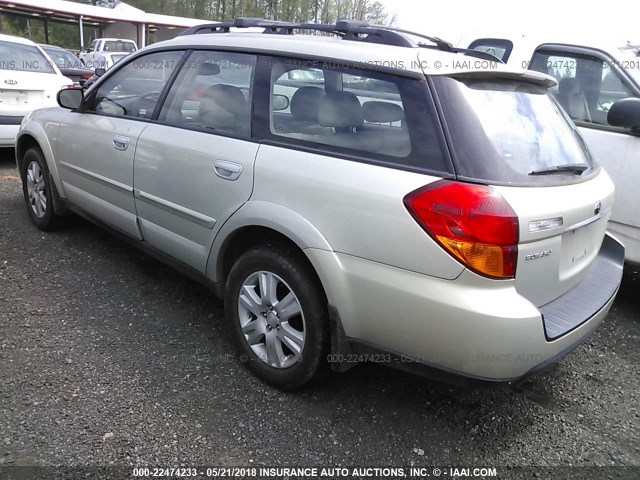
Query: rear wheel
<point>36,187</point>
<point>278,316</point>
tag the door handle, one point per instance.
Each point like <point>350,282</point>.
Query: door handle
<point>120,142</point>
<point>227,170</point>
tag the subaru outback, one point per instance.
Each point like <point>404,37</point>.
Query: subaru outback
<point>346,199</point>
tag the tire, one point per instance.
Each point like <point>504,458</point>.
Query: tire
<point>282,347</point>
<point>36,188</point>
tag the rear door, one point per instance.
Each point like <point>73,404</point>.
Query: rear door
<point>194,168</point>
<point>96,145</point>
<point>589,83</point>
<point>515,137</point>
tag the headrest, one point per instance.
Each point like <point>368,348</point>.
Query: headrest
<point>340,109</point>
<point>382,112</point>
<point>305,103</point>
<point>227,97</point>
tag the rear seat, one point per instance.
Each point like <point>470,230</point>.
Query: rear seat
<point>343,121</point>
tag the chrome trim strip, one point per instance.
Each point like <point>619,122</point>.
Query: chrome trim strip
<point>100,178</point>
<point>588,221</point>
<point>176,209</point>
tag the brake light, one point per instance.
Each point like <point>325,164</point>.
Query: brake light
<point>473,223</point>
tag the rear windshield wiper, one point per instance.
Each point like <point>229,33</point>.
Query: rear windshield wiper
<point>577,168</point>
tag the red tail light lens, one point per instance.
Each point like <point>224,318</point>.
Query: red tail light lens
<point>473,223</point>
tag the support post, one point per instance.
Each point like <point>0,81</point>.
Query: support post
<point>81,33</point>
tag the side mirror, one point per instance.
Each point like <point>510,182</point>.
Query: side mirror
<point>279,102</point>
<point>70,98</point>
<point>100,71</point>
<point>625,113</point>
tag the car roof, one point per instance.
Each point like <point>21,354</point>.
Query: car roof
<point>333,49</point>
<point>560,36</point>
<point>14,39</point>
<point>44,45</point>
<point>116,39</point>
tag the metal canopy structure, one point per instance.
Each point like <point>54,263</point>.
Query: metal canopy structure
<point>126,21</point>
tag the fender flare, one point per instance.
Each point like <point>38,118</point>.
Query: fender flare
<point>269,215</point>
<point>35,131</point>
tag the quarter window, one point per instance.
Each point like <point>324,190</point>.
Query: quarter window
<point>213,93</point>
<point>134,90</point>
<point>587,85</point>
<point>368,114</point>
<point>498,47</point>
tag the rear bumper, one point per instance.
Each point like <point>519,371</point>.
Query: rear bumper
<point>470,327</point>
<point>583,302</point>
<point>9,126</point>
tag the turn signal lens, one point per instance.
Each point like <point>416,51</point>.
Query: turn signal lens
<point>473,223</point>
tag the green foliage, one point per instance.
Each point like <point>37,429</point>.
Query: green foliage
<point>326,11</point>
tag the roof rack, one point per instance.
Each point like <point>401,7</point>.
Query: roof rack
<point>355,30</point>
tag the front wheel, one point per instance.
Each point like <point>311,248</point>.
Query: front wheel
<point>278,316</point>
<point>36,188</point>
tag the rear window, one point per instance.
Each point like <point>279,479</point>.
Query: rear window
<point>117,46</point>
<point>511,133</point>
<point>23,58</point>
<point>63,58</point>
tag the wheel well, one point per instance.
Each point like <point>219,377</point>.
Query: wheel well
<point>25,143</point>
<point>247,237</point>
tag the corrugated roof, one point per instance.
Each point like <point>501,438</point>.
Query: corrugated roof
<point>122,12</point>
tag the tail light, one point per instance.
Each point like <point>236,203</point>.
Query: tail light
<point>473,223</point>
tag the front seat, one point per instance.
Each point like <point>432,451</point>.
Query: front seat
<point>573,100</point>
<point>223,108</point>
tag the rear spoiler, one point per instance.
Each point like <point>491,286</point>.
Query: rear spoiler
<point>529,76</point>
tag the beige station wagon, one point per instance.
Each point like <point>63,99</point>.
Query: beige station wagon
<point>348,201</point>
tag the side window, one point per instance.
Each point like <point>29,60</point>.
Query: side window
<point>367,114</point>
<point>587,85</point>
<point>92,47</point>
<point>213,92</point>
<point>134,90</point>
<point>498,47</point>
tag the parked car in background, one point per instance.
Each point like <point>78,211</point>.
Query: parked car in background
<point>105,52</point>
<point>599,88</point>
<point>69,65</point>
<point>107,60</point>
<point>29,79</point>
<point>346,203</point>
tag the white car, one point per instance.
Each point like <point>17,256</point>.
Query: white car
<point>107,60</point>
<point>28,80</point>
<point>599,88</point>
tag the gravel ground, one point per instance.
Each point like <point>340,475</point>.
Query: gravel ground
<point>107,357</point>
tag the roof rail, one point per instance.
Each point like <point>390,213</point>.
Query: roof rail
<point>346,29</point>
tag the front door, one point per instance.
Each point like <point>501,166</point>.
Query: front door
<point>96,145</point>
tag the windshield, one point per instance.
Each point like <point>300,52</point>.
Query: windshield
<point>117,58</point>
<point>23,58</point>
<point>63,58</point>
<point>119,46</point>
<point>504,130</point>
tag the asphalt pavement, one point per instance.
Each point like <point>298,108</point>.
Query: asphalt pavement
<point>107,357</point>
